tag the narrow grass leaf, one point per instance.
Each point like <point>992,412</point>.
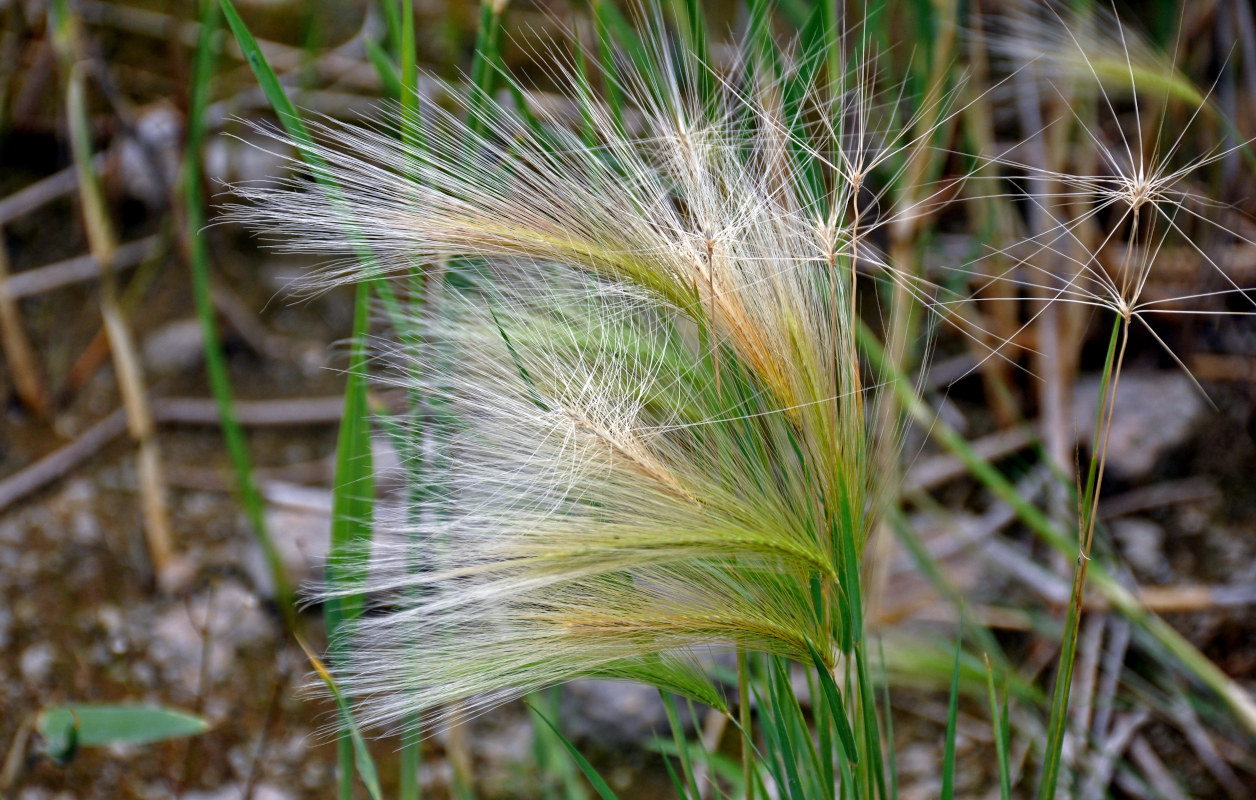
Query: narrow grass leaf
<point>999,721</point>
<point>363,762</point>
<point>682,744</point>
<point>952,715</point>
<point>389,77</point>
<point>599,784</point>
<point>215,362</point>
<point>1236,699</point>
<point>891,755</point>
<point>834,699</point>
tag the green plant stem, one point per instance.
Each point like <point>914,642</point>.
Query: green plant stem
<point>952,717</point>
<point>411,747</point>
<point>744,714</point>
<point>1090,508</point>
<point>352,507</point>
<point>682,744</point>
<point>411,759</point>
<point>353,492</point>
<point>215,361</point>
<point>483,64</point>
<point>999,721</point>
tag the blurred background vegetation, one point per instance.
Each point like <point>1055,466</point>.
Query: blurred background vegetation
<point>150,541</point>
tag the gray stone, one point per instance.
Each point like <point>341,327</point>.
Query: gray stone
<point>36,661</point>
<point>1142,544</point>
<point>614,714</point>
<point>228,618</point>
<point>148,158</point>
<point>262,791</point>
<point>174,347</point>
<point>1155,412</point>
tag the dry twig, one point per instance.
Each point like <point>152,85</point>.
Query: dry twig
<point>27,378</point>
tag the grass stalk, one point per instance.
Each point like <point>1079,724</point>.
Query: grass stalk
<point>215,361</point>
<point>745,721</point>
<point>952,714</point>
<point>353,490</point>
<point>1001,732</point>
<point>126,361</point>
<point>599,784</point>
<point>27,379</point>
<point>412,734</point>
<point>682,745</point>
<point>352,508</point>
<point>1058,721</point>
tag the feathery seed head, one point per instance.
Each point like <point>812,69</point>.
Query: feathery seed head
<point>638,388</point>
<point>1108,225</point>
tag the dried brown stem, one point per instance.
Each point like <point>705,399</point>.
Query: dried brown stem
<point>103,244</point>
<point>27,377</point>
<point>170,410</point>
<point>79,269</point>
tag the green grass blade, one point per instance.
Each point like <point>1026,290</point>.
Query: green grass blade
<point>1058,720</point>
<point>792,736</point>
<point>389,77</point>
<point>360,756</point>
<point>292,124</point>
<point>824,731</point>
<point>410,760</point>
<point>930,570</point>
<point>891,756</point>
<point>620,32</point>
<point>952,716</point>
<point>682,746</point>
<point>353,493</point>
<point>411,136</point>
<point>770,754</point>
<point>352,499</point>
<point>484,63</point>
<point>409,93</point>
<point>392,18</point>
<point>677,783</point>
<point>1236,699</point>
<point>845,735</point>
<point>271,87</point>
<point>694,33</point>
<point>999,721</point>
<point>725,769</point>
<point>584,96</point>
<point>744,722</point>
<point>66,728</point>
<point>352,507</point>
<point>215,362</point>
<point>610,83</point>
<point>871,728</point>
<point>560,779</point>
<point>599,784</point>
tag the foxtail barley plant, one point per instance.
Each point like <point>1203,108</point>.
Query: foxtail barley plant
<point>639,371</point>
<point>649,399</point>
<point>625,334</point>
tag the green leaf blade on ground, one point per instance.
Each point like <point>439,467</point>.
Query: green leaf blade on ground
<point>65,728</point>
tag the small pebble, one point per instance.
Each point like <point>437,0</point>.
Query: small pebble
<point>35,663</point>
